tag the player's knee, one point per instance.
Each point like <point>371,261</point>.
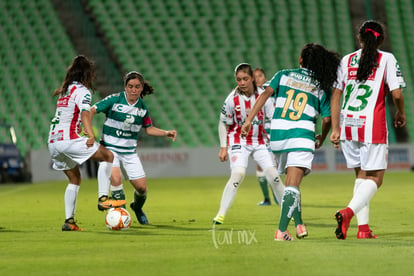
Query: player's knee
<point>272,174</point>
<point>260,173</point>
<point>109,156</point>
<point>238,174</point>
<point>140,185</point>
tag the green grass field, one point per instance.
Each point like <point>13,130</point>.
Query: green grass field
<point>180,239</point>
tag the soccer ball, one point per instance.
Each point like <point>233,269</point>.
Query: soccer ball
<point>118,219</point>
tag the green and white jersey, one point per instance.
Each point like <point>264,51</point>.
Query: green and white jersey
<point>298,105</point>
<point>123,122</point>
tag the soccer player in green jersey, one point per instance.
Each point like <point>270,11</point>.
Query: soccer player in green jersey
<point>301,96</point>
<point>126,113</point>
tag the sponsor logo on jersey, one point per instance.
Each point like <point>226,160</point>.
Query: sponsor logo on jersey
<point>63,102</point>
<point>352,74</point>
<point>121,133</point>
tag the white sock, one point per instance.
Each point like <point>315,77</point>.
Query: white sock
<point>363,215</point>
<point>71,194</point>
<point>273,178</point>
<point>230,191</point>
<point>104,178</point>
<point>117,188</point>
<point>363,195</point>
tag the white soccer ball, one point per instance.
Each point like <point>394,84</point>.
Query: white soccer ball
<point>118,219</point>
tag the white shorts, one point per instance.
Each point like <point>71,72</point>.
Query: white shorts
<point>301,159</point>
<point>239,156</point>
<point>367,156</point>
<point>131,164</point>
<point>67,154</point>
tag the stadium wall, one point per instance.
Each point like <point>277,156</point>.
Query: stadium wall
<point>194,162</point>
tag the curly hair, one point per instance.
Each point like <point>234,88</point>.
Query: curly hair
<point>322,63</point>
<point>147,88</point>
<point>81,70</point>
<point>371,35</point>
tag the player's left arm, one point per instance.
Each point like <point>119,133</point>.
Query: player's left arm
<point>83,102</point>
<point>87,124</point>
<point>326,126</point>
<point>154,131</point>
<point>399,119</point>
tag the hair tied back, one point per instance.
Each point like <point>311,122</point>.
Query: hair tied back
<point>376,34</point>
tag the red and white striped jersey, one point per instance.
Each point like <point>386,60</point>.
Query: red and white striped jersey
<point>66,124</point>
<point>363,116</point>
<point>235,110</point>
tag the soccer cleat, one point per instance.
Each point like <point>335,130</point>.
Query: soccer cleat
<point>139,213</point>
<point>366,235</point>
<point>301,231</point>
<point>219,219</point>
<point>265,202</point>
<point>119,195</point>
<point>343,224</point>
<point>105,203</point>
<point>283,236</point>
<point>70,225</point>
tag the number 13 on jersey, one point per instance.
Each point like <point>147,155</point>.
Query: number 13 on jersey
<point>361,100</point>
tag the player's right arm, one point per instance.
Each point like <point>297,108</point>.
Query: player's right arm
<point>222,130</point>
<point>261,100</point>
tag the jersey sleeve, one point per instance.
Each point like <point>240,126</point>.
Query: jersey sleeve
<point>340,79</point>
<point>226,115</point>
<point>325,106</point>
<point>144,113</point>
<point>83,99</point>
<point>393,75</point>
<point>274,83</point>
<point>105,104</point>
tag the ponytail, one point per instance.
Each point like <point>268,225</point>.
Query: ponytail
<point>371,35</point>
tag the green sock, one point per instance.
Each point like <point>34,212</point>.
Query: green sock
<point>297,213</point>
<point>117,192</point>
<point>139,200</point>
<point>263,184</point>
<point>290,203</point>
<point>118,195</point>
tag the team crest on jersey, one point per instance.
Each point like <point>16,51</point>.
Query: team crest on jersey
<point>141,112</point>
<point>353,61</point>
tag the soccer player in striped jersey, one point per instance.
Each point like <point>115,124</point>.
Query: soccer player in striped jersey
<point>301,96</point>
<point>126,114</point>
<point>260,80</point>
<point>359,124</point>
<point>68,149</point>
<point>237,149</point>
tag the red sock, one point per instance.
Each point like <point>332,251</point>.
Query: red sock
<point>363,228</point>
